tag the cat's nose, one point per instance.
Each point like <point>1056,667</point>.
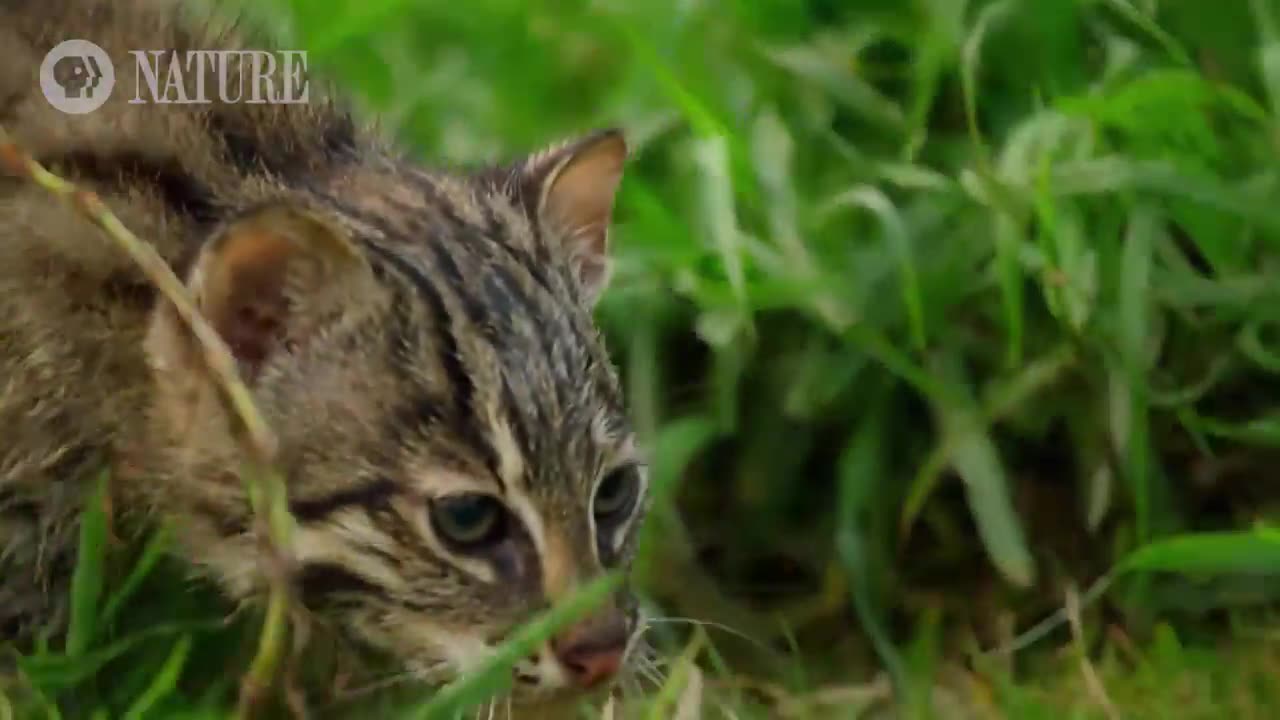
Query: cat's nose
<point>592,651</point>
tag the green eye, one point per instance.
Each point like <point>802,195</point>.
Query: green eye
<point>616,495</point>
<point>469,521</point>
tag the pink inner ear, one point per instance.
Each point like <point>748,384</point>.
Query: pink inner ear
<point>246,300</point>
<point>579,203</point>
<point>251,331</point>
<point>593,271</point>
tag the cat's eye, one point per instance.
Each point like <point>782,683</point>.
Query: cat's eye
<point>616,495</point>
<point>469,521</point>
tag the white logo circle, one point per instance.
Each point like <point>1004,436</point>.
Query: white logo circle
<point>77,76</point>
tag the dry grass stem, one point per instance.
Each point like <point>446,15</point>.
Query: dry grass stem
<point>265,485</point>
<point>1093,684</point>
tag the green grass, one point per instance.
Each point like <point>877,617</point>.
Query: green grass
<point>928,310</point>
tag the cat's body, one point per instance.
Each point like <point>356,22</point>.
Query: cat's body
<point>453,436</point>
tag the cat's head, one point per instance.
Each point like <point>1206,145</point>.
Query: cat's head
<point>456,448</point>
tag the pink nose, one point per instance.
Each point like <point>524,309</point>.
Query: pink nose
<point>592,651</point>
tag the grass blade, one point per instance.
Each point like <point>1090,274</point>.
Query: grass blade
<point>720,218</point>
<point>1135,311</point>
<point>1250,552</point>
<point>491,676</point>
<point>861,469</point>
<point>165,682</point>
<point>683,674</point>
<point>978,464</point>
<point>878,204</point>
<point>151,555</point>
<point>88,579</point>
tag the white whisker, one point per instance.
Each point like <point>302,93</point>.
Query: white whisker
<point>646,669</point>
<point>630,686</point>
<point>707,624</point>
<point>375,685</point>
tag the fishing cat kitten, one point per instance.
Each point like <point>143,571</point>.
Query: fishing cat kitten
<point>453,436</point>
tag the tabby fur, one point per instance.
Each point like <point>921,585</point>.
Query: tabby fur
<point>409,333</point>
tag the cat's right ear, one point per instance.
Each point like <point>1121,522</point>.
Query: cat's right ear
<point>571,187</point>
<point>267,283</point>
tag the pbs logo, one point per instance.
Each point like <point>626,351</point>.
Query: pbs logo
<point>77,77</point>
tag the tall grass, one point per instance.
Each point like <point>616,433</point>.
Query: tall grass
<point>929,312</point>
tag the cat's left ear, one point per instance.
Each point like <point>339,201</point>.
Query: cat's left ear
<point>572,187</point>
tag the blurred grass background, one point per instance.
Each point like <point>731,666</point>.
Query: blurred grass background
<point>934,314</point>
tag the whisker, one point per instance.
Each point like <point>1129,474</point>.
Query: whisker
<point>657,677</point>
<point>346,694</point>
<point>630,686</point>
<point>651,659</point>
<point>706,624</point>
<point>648,670</point>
